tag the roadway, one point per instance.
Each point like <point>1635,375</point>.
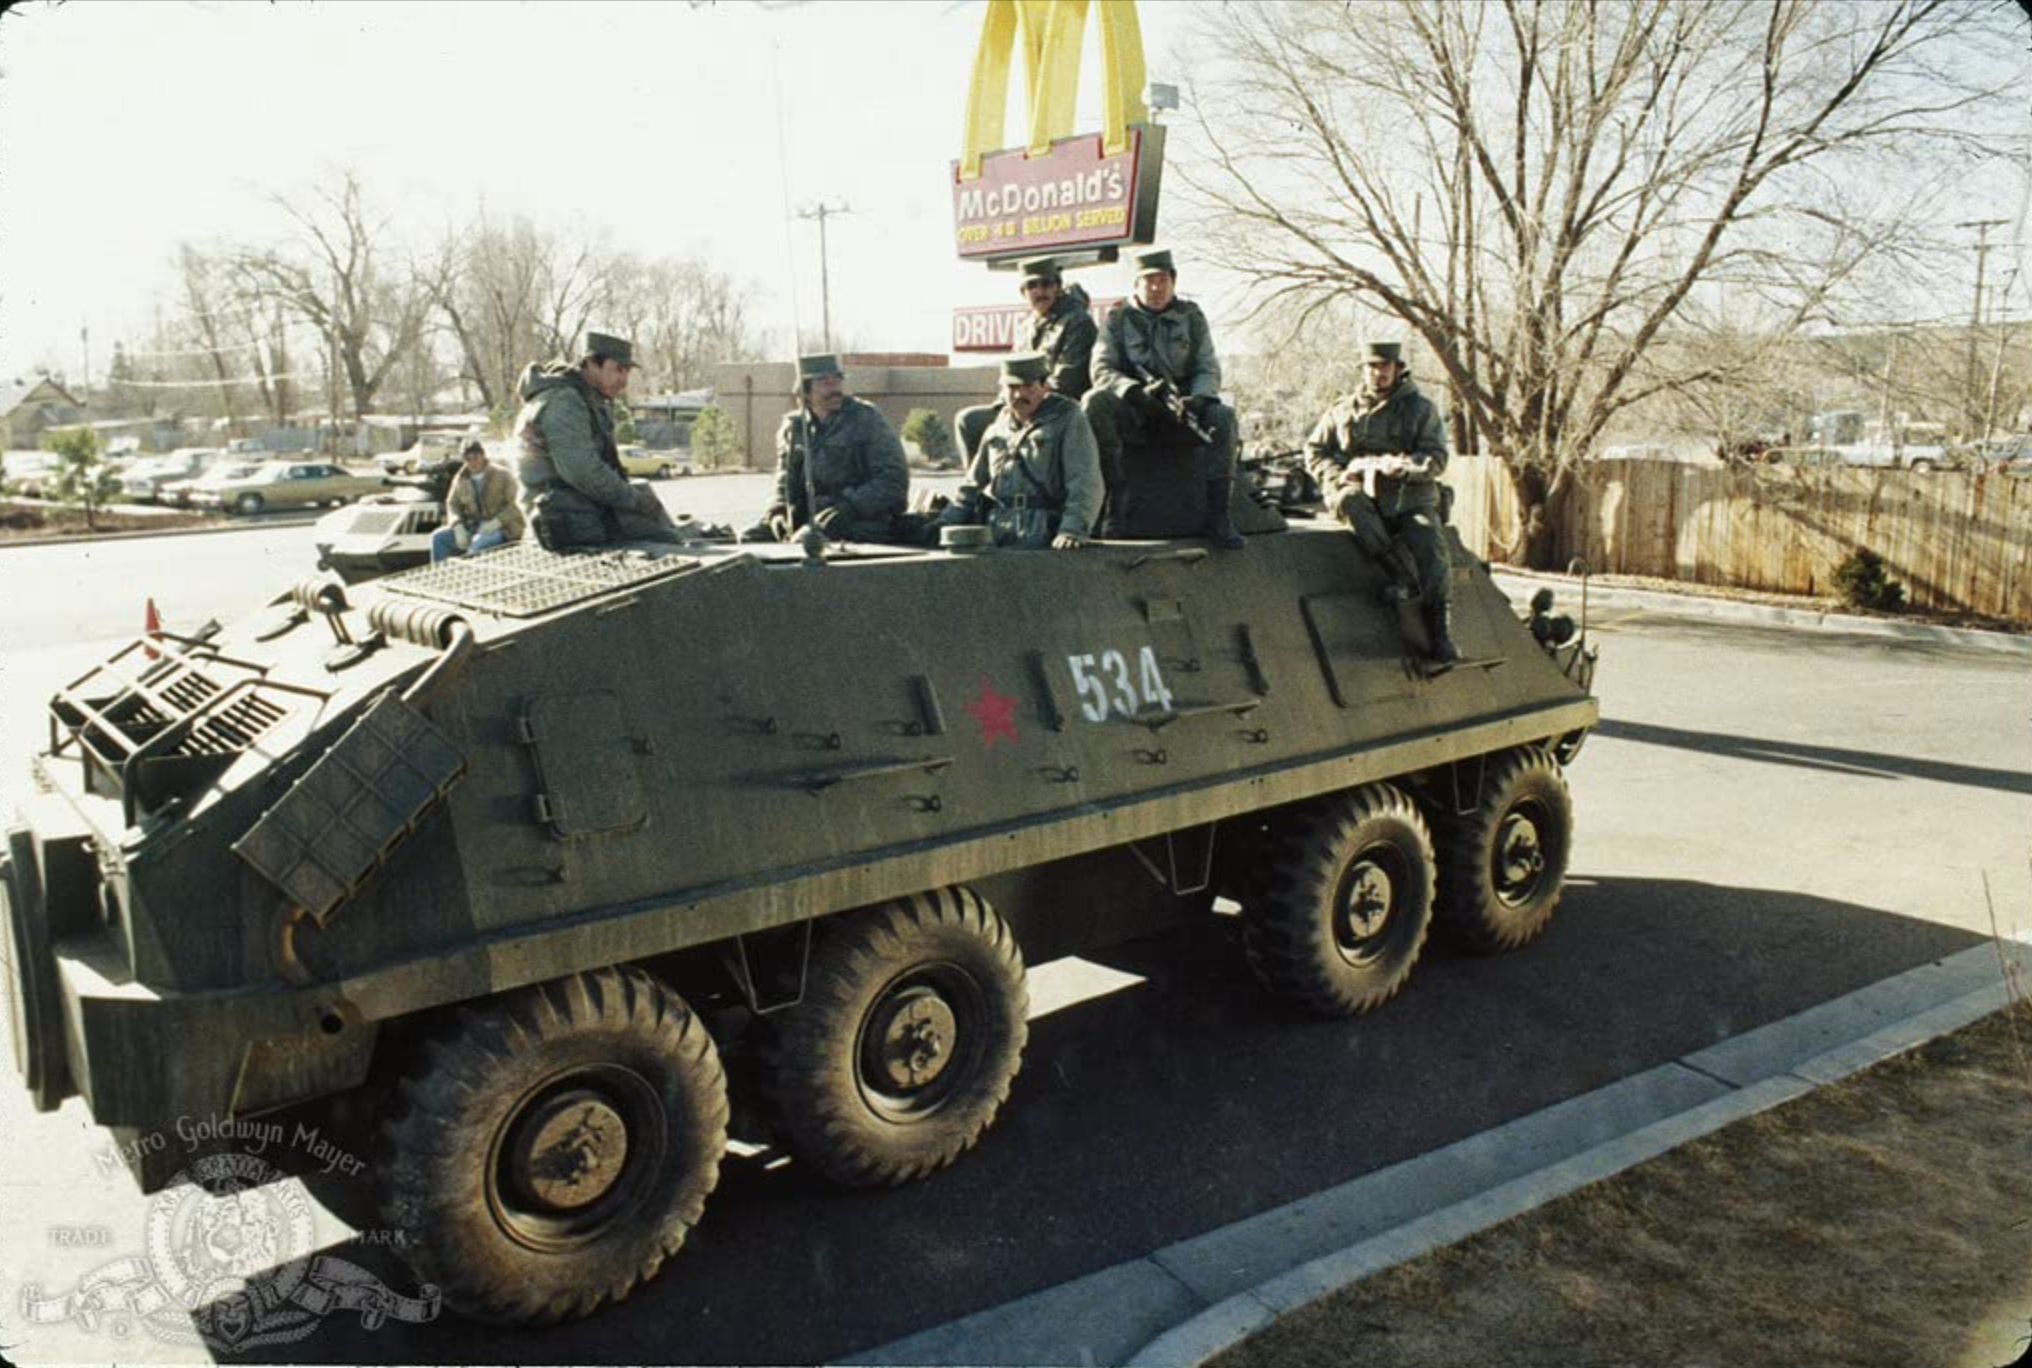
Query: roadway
<point>1767,819</point>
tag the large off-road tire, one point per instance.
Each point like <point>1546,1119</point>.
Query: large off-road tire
<point>1502,867</point>
<point>911,1029</point>
<point>1344,903</point>
<point>553,1149</point>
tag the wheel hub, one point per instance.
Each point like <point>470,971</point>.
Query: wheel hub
<point>570,1151</point>
<point>1368,900</point>
<point>913,1039</point>
<point>1520,857</point>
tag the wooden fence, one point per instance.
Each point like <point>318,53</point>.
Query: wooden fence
<point>1959,543</point>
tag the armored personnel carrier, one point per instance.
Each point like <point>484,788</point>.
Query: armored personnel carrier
<point>498,838</point>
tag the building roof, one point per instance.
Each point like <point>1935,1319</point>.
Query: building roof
<point>16,393</point>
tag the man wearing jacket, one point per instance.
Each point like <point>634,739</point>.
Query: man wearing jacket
<point>480,509</point>
<point>1060,328</point>
<point>1036,480</point>
<point>1377,456</point>
<point>1154,348</point>
<point>839,467</point>
<point>572,485</point>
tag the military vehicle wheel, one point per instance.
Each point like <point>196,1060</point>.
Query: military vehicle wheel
<point>557,1147</point>
<point>1502,866</point>
<point>250,504</point>
<point>910,1032</point>
<point>1344,903</point>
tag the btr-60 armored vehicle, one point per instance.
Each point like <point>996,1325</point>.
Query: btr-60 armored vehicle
<point>498,837</point>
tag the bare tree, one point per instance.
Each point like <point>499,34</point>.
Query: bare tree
<point>337,277</point>
<point>1541,193</point>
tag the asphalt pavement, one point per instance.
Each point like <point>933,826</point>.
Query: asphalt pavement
<point>1771,819</point>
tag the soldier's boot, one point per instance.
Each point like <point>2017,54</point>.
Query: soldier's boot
<point>1439,632</point>
<point>1220,517</point>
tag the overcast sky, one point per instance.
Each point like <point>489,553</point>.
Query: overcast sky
<point>128,127</point>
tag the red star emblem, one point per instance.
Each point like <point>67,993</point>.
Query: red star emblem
<point>995,713</point>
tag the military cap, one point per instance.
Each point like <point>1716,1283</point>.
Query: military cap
<point>1044,268</point>
<point>817,366</point>
<point>1387,351</point>
<point>1027,368</point>
<point>608,347</point>
<point>1155,261</point>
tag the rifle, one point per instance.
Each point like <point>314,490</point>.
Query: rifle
<point>1173,403</point>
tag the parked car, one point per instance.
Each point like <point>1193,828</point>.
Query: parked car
<point>144,481</point>
<point>288,484</point>
<point>424,452</point>
<point>184,493</point>
<point>29,472</point>
<point>655,465</point>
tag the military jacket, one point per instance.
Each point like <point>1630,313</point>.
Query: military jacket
<point>1066,337</point>
<point>1140,345</point>
<point>852,461</point>
<point>1031,481</point>
<point>566,428</point>
<point>1401,423</point>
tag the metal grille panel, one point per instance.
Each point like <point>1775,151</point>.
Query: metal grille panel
<point>379,520</point>
<point>525,580</point>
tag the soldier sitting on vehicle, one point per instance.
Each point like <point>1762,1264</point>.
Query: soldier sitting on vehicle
<point>1377,456</point>
<point>572,485</point>
<point>1155,378</point>
<point>1061,327</point>
<point>839,466</point>
<point>1036,480</point>
<point>480,509</point>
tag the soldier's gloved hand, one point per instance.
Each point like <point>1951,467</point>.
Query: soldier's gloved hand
<point>1068,541</point>
<point>646,502</point>
<point>778,522</point>
<point>1137,396</point>
<point>1200,405</point>
<point>828,518</point>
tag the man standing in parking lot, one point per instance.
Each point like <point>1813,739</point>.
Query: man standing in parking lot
<point>572,485</point>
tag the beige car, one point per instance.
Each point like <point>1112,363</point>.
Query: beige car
<point>287,484</point>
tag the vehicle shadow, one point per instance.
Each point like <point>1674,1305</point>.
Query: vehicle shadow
<point>1188,1100</point>
<point>1834,759</point>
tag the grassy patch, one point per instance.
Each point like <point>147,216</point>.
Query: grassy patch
<point>19,521</point>
<point>1884,1221</point>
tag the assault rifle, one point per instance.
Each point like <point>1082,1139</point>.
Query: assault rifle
<point>1172,402</point>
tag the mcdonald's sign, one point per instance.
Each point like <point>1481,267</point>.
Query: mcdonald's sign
<point>1061,189</point>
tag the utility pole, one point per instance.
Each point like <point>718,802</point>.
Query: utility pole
<point>1973,391</point>
<point>85,341</point>
<point>822,212</point>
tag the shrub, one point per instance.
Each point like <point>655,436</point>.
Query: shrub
<point>1861,581</point>
<point>932,434</point>
<point>82,476</point>
<point>715,442</point>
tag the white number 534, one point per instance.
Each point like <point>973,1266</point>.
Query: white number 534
<point>1108,686</point>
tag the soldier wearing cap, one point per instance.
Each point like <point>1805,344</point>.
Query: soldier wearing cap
<point>1036,479</point>
<point>1154,344</point>
<point>1061,327</point>
<point>839,467</point>
<point>572,486</point>
<point>1378,456</point>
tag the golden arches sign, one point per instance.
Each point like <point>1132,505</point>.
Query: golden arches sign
<point>1052,37</point>
<point>1059,191</point>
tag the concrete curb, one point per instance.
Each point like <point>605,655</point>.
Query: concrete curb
<point>1521,584</point>
<point>1185,1303</point>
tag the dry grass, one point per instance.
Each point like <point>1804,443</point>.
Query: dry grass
<point>1884,1221</point>
<point>20,521</point>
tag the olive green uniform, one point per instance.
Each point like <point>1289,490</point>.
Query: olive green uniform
<point>1065,336</point>
<point>850,462</point>
<point>570,468</point>
<point>1031,481</point>
<point>1399,523</point>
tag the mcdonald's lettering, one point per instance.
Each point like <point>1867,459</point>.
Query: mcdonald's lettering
<point>1075,195</point>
